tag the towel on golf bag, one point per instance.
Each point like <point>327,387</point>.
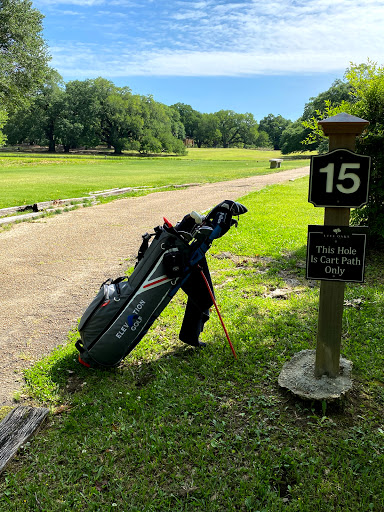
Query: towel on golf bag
<point>125,308</point>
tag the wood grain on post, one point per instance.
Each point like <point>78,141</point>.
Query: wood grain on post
<point>16,428</point>
<point>342,131</point>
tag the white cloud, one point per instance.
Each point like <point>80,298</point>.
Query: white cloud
<point>68,12</point>
<point>52,3</point>
<point>216,38</point>
<point>87,3</point>
<point>196,63</point>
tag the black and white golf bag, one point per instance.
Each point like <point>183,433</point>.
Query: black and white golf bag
<point>125,308</point>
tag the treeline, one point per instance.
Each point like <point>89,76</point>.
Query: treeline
<point>296,136</point>
<point>224,128</point>
<point>95,111</point>
<point>92,112</point>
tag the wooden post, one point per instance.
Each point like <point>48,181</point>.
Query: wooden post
<point>16,428</point>
<point>342,131</point>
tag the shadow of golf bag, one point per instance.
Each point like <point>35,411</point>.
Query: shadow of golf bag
<point>125,308</point>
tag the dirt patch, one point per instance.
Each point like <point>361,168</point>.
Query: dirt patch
<point>51,268</point>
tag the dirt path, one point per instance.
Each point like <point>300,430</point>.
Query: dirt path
<point>50,269</point>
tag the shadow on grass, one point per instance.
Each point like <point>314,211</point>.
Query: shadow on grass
<point>266,328</point>
<point>265,332</point>
<point>272,335</point>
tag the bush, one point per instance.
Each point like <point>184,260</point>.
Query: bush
<point>367,82</point>
<point>150,144</point>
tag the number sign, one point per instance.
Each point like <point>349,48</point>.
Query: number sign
<point>339,179</point>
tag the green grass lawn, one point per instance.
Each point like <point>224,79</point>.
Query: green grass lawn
<point>27,179</point>
<point>178,429</point>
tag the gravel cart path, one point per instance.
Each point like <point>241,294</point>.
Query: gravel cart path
<point>51,268</point>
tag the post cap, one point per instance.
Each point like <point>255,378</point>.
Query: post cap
<point>343,123</point>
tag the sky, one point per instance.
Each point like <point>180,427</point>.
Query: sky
<point>258,56</point>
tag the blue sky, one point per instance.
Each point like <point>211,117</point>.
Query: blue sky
<point>258,56</point>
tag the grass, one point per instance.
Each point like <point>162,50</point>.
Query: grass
<point>178,429</point>
<point>28,179</point>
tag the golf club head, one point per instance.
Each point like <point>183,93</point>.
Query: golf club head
<point>238,208</point>
<point>234,208</point>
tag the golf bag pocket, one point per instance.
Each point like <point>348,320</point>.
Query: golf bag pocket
<point>104,306</point>
<point>174,263</point>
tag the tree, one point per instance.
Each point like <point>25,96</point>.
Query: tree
<point>127,121</point>
<point>338,92</point>
<point>293,137</point>
<point>177,127</point>
<point>262,140</point>
<point>367,82</point>
<point>158,129</point>
<point>23,53</point>
<point>20,127</point>
<point>274,126</point>
<point>3,120</point>
<point>207,132</point>
<point>48,111</point>
<point>189,117</point>
<point>38,121</point>
<point>236,128</point>
<point>121,120</point>
<point>226,128</point>
<point>88,112</point>
<point>227,125</point>
<point>367,102</point>
<point>248,130</point>
<point>77,125</point>
<point>116,117</point>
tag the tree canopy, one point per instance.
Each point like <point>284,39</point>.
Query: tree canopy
<point>23,53</point>
<point>274,127</point>
<point>23,56</point>
<point>296,136</point>
<point>3,120</point>
<point>91,112</point>
<point>189,117</point>
<point>366,82</point>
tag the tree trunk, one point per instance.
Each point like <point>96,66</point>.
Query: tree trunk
<point>52,146</point>
<point>51,138</point>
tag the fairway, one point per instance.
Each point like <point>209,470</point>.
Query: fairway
<point>28,179</point>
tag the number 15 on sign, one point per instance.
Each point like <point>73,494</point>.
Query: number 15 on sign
<point>339,179</point>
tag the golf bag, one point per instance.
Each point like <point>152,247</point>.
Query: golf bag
<point>125,308</point>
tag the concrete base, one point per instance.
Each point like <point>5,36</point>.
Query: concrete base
<point>298,375</point>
